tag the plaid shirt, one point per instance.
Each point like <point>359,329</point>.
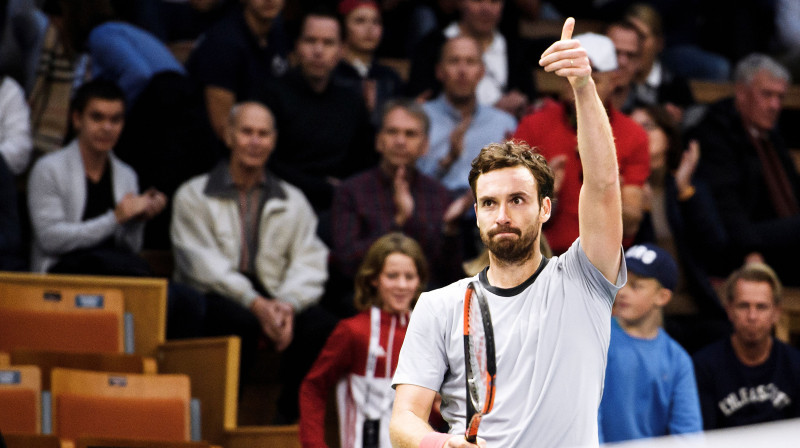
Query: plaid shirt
<point>363,211</point>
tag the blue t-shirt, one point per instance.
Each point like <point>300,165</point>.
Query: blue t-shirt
<point>129,56</point>
<point>650,389</point>
<point>733,394</point>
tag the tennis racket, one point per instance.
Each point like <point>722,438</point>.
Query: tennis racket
<point>478,357</point>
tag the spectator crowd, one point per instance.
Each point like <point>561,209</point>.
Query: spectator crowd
<point>305,163</point>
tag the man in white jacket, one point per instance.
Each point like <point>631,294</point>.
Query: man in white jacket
<point>86,210</point>
<point>248,240</point>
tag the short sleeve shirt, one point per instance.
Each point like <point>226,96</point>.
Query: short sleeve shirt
<point>230,57</point>
<point>551,340</point>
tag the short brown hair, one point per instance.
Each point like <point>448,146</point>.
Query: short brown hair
<point>411,107</point>
<point>511,154</point>
<point>366,295</point>
<point>754,272</point>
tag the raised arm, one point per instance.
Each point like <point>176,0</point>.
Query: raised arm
<point>600,205</point>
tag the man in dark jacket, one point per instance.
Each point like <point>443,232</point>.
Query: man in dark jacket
<point>753,179</point>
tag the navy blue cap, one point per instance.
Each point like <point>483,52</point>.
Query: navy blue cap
<point>650,261</point>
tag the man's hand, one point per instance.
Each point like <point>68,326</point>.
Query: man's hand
<point>156,201</point>
<point>674,111</point>
<point>286,327</point>
<point>513,102</point>
<point>460,441</point>
<point>276,319</point>
<point>567,58</point>
<point>456,145</point>
<point>558,165</point>
<point>685,171</point>
<point>403,201</point>
<point>454,212</point>
<point>753,257</point>
<point>130,207</point>
<point>369,88</point>
<point>424,96</point>
<point>203,5</point>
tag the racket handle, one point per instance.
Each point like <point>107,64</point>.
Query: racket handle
<point>472,430</point>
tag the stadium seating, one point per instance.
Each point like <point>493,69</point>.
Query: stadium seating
<point>101,362</point>
<point>102,442</point>
<point>128,406</point>
<point>61,318</point>
<point>211,363</point>
<point>32,441</point>
<point>263,437</point>
<point>144,298</point>
<point>20,400</point>
<point>213,366</point>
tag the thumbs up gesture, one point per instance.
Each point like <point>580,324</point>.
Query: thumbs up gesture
<point>567,58</point>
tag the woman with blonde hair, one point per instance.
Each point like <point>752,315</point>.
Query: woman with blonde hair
<point>360,356</point>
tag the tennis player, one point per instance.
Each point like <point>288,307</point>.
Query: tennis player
<point>551,317</point>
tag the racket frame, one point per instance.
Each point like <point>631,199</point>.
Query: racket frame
<point>475,411</point>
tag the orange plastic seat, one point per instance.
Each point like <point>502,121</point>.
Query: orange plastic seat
<point>20,400</point>
<point>129,406</point>
<point>66,319</point>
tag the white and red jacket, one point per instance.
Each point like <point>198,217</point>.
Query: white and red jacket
<point>343,362</point>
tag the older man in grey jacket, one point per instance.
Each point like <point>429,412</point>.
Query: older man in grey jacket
<point>248,240</point>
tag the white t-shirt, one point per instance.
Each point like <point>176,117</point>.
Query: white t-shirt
<point>551,341</point>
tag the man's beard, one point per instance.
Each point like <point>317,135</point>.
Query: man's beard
<point>509,251</point>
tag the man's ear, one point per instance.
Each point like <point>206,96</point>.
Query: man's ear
<point>74,116</point>
<point>227,134</point>
<point>546,209</point>
<point>776,314</point>
<point>664,296</point>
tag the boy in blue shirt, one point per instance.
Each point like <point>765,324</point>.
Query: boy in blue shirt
<point>650,388</point>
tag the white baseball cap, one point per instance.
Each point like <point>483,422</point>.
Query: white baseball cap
<point>601,51</point>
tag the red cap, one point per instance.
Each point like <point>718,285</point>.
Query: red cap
<point>347,6</point>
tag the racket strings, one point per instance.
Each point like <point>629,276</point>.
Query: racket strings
<point>477,358</point>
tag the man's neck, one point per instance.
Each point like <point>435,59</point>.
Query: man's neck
<point>645,327</point>
<point>754,131</point>
<point>510,275</point>
<point>466,105</point>
<point>751,354</point>
<point>317,85</point>
<point>352,55</point>
<point>94,163</point>
<point>245,178</point>
<point>259,27</point>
